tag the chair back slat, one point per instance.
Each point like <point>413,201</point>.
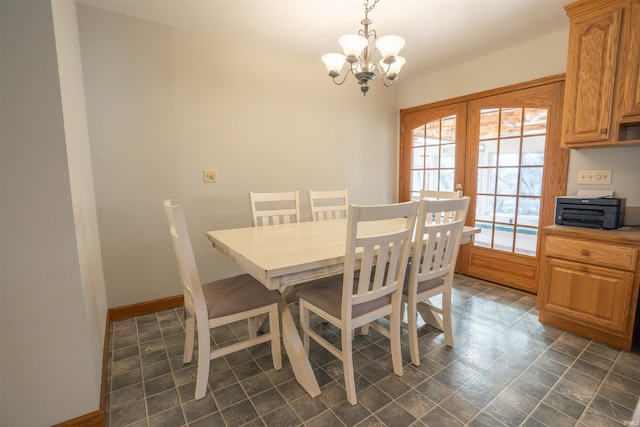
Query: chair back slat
<point>325,205</point>
<point>274,208</point>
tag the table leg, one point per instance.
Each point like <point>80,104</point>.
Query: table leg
<point>295,351</point>
<point>429,317</point>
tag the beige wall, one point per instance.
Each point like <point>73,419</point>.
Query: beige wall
<point>52,300</point>
<point>163,104</point>
<point>537,58</point>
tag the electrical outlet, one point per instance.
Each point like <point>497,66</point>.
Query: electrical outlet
<point>210,175</point>
<point>595,176</point>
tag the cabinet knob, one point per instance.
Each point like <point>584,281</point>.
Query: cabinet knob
<point>604,131</point>
<point>583,269</point>
<point>584,252</point>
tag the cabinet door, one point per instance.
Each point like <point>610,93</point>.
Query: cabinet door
<point>592,296</point>
<point>630,72</point>
<point>591,66</point>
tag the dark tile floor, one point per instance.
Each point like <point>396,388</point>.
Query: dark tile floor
<point>506,369</point>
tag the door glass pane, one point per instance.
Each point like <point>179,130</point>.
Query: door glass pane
<point>446,180</point>
<point>417,180</point>
<point>486,181</point>
<point>417,157</point>
<point>433,132</point>
<point>528,211</point>
<point>417,136</point>
<point>433,156</point>
<point>489,120</point>
<point>485,237</point>
<point>510,122</point>
<point>509,152</point>
<point>533,150</point>
<point>526,240</point>
<point>431,180</point>
<point>484,207</point>
<point>448,156</point>
<point>514,140</point>
<point>535,121</point>
<point>488,153</point>
<point>531,182</point>
<point>505,209</point>
<point>503,237</point>
<point>507,180</point>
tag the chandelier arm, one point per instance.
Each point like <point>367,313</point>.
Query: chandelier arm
<point>344,78</point>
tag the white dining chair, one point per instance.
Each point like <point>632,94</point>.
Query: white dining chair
<point>347,301</point>
<point>218,303</point>
<point>274,208</point>
<point>433,194</point>
<point>328,204</point>
<point>431,270</point>
<point>440,195</point>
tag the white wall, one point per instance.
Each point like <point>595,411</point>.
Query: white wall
<point>50,313</point>
<point>542,57</point>
<point>163,104</point>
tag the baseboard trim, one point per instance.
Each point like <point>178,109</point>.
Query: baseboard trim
<point>92,419</point>
<point>98,418</point>
<point>142,308</point>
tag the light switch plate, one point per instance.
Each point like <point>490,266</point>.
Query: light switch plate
<point>210,175</point>
<point>595,176</point>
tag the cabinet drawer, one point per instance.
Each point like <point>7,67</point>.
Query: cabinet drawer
<point>597,253</point>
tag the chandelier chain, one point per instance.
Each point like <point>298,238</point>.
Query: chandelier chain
<point>368,8</point>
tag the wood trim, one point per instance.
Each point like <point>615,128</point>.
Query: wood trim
<point>147,307</point>
<point>97,418</point>
<point>491,92</point>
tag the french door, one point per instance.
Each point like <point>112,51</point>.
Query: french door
<point>432,153</point>
<point>515,168</point>
<point>509,161</point>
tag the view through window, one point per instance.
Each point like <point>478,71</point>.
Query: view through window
<point>433,156</point>
<point>509,186</point>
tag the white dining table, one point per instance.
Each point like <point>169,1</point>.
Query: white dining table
<point>284,255</point>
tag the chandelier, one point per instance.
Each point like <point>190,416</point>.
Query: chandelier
<point>359,51</point>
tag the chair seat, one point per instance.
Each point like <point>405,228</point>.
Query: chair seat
<point>327,295</point>
<point>425,286</point>
<point>236,294</point>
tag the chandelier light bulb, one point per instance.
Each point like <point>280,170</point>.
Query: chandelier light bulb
<point>352,44</point>
<point>394,68</point>
<point>389,46</point>
<point>333,62</point>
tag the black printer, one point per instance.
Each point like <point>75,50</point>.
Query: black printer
<point>606,213</point>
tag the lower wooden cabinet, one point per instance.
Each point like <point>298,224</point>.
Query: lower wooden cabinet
<point>590,283</point>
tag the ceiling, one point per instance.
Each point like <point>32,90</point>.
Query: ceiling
<point>438,33</point>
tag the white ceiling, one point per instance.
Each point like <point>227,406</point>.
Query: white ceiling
<point>438,33</point>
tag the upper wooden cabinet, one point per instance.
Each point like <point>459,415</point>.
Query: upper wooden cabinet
<point>602,95</point>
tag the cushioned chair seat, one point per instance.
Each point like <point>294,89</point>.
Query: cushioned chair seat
<point>425,286</point>
<point>236,294</point>
<point>327,295</point>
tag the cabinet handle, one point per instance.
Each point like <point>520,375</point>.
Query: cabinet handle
<point>584,252</point>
